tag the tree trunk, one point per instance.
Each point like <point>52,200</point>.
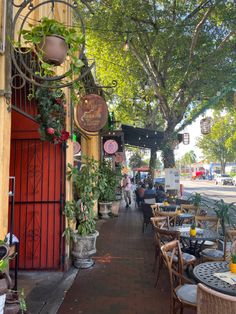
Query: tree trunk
<point>152,162</point>
<point>223,167</point>
<point>168,157</point>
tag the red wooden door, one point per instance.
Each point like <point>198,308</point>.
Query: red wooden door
<point>38,168</point>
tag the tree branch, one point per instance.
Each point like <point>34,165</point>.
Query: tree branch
<point>221,45</point>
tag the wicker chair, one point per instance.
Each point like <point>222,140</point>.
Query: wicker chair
<point>183,292</point>
<point>212,302</point>
<point>160,222</point>
<point>220,254</point>
<point>208,222</point>
<point>163,236</point>
<point>155,209</point>
<point>172,216</point>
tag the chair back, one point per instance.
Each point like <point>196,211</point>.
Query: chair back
<point>173,260</point>
<point>147,212</point>
<point>189,208</point>
<point>208,222</point>
<point>160,222</point>
<point>213,302</point>
<point>164,236</point>
<point>172,216</point>
<point>155,209</point>
<point>228,240</point>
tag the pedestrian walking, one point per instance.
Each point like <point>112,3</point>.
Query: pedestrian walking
<point>126,185</point>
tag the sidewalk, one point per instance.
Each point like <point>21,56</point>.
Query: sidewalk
<point>122,281</point>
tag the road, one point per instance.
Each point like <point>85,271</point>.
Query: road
<point>210,190</point>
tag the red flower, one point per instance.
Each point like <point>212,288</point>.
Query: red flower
<point>64,135</point>
<point>58,101</point>
<point>50,131</point>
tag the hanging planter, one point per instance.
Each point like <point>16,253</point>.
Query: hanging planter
<point>54,49</point>
<point>51,114</point>
<point>205,125</point>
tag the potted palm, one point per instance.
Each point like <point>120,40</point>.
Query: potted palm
<point>80,212</point>
<point>222,211</point>
<point>51,41</point>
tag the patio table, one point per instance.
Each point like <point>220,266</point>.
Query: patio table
<point>194,245</point>
<point>184,216</point>
<point>204,273</point>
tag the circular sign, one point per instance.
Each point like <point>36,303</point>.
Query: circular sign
<point>110,147</point>
<point>92,113</point>
<point>76,148</point>
<point>119,158</point>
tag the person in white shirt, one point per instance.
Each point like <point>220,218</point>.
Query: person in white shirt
<point>126,185</point>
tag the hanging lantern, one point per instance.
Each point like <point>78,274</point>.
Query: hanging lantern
<point>186,138</point>
<point>205,125</point>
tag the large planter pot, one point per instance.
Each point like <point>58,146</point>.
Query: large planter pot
<point>105,209</point>
<point>83,248</point>
<point>2,303</point>
<point>12,305</point>
<point>54,49</point>
<point>115,207</point>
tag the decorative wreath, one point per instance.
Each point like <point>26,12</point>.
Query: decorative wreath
<point>51,114</point>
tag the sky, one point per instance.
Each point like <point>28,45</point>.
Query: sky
<point>194,132</point>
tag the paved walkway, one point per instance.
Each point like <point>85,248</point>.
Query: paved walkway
<point>122,281</point>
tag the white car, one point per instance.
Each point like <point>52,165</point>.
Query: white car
<point>234,180</point>
<point>223,179</point>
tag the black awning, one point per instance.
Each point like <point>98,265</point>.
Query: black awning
<point>146,138</point>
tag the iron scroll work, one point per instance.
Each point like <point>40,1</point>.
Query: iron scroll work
<point>28,74</point>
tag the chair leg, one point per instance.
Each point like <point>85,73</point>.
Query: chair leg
<point>157,252</point>
<point>159,271</point>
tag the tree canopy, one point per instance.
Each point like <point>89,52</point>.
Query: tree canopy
<point>181,54</point>
<point>219,145</point>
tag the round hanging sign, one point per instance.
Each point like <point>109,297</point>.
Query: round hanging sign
<point>119,158</point>
<point>76,148</point>
<point>110,147</point>
<point>92,113</point>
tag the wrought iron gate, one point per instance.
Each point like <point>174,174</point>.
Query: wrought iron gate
<point>39,199</point>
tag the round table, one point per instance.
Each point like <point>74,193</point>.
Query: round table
<point>194,245</point>
<point>183,217</point>
<point>204,273</point>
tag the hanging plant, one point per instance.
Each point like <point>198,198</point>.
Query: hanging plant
<point>51,114</point>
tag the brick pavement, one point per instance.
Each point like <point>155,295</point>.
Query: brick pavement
<point>122,281</point>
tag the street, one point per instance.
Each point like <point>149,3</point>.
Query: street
<point>210,190</point>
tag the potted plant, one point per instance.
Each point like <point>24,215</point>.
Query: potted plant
<point>51,41</point>
<point>107,186</point>
<point>222,211</point>
<point>233,258</point>
<point>5,280</point>
<point>51,115</point>
<point>80,212</point>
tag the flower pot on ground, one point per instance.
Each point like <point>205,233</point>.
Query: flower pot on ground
<point>80,212</point>
<point>108,182</point>
<point>51,41</point>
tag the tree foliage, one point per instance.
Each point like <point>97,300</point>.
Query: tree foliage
<point>219,145</point>
<point>180,55</point>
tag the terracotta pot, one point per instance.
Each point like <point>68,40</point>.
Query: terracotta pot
<point>83,248</point>
<point>105,209</point>
<point>232,268</point>
<point>54,49</point>
<point>12,305</point>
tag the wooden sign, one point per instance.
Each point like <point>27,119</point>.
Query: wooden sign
<point>110,147</point>
<point>92,113</point>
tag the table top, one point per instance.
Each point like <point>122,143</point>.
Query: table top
<point>204,273</point>
<point>202,235</point>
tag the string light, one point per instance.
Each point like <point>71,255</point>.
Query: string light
<point>126,46</point>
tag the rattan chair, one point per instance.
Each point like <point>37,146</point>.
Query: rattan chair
<point>160,222</point>
<point>222,253</point>
<point>208,222</point>
<point>213,302</point>
<point>172,216</point>
<point>183,293</point>
<point>163,236</point>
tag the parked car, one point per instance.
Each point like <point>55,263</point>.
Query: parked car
<point>223,179</point>
<point>234,180</point>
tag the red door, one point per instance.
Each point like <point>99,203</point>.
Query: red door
<point>38,168</point>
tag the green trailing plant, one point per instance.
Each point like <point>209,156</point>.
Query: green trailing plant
<point>51,116</point>
<point>80,212</point>
<point>23,306</point>
<point>222,211</point>
<point>34,36</point>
